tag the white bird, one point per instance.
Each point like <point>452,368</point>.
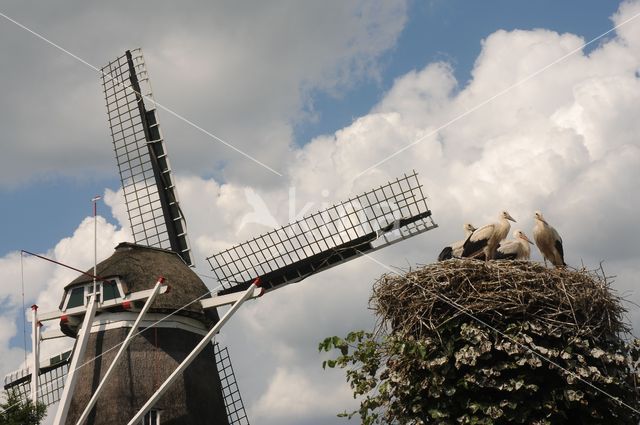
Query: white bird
<point>455,249</point>
<point>515,249</point>
<point>548,241</point>
<point>485,240</point>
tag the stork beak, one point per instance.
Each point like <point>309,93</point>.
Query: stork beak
<point>510,218</point>
<point>527,239</point>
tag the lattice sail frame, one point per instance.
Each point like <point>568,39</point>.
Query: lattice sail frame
<point>370,221</point>
<point>230,391</point>
<point>50,380</point>
<point>150,194</point>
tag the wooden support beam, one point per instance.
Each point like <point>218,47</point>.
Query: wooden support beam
<point>194,353</point>
<point>123,346</point>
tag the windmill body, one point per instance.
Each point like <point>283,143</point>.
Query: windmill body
<point>195,398</point>
<point>166,370</point>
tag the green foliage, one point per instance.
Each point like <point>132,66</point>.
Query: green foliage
<point>13,411</point>
<point>492,342</point>
<point>467,374</point>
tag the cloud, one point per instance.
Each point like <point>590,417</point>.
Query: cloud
<point>292,396</point>
<point>564,142</point>
<point>245,73</point>
<point>44,282</point>
<point>10,356</point>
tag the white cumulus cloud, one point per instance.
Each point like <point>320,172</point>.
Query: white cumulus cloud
<point>564,142</point>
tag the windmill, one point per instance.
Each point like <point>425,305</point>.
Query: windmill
<point>170,372</point>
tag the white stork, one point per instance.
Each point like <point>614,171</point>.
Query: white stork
<point>548,241</point>
<point>515,249</point>
<point>485,240</point>
<point>455,249</point>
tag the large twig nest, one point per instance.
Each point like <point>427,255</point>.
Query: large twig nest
<point>500,342</point>
<point>499,292</point>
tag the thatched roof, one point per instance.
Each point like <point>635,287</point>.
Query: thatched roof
<point>139,267</point>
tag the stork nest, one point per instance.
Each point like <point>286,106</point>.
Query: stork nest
<point>578,302</point>
<point>495,343</point>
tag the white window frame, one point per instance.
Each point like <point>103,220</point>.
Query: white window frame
<point>67,297</point>
<point>88,289</point>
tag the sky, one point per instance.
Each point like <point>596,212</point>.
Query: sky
<point>498,106</point>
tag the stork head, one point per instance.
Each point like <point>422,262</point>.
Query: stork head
<point>469,228</point>
<point>519,234</point>
<point>538,216</point>
<point>505,215</point>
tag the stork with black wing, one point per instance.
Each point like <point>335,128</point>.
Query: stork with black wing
<point>144,353</point>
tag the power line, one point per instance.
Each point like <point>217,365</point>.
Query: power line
<point>160,106</point>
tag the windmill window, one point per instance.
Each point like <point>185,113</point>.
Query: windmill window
<point>152,418</point>
<point>110,290</point>
<point>76,297</point>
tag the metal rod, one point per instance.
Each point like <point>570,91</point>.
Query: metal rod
<point>24,316</point>
<point>35,349</point>
<point>123,347</point>
<point>78,354</point>
<point>95,200</point>
<point>194,353</point>
<point>59,263</point>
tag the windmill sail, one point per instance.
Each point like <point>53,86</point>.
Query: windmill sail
<point>150,194</point>
<point>230,391</point>
<point>50,380</point>
<point>368,222</point>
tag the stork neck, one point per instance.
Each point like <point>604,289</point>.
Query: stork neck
<point>525,247</point>
<point>504,224</point>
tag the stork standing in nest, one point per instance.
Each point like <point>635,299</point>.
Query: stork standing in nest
<point>548,241</point>
<point>486,239</point>
<point>455,249</point>
<point>515,249</point>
